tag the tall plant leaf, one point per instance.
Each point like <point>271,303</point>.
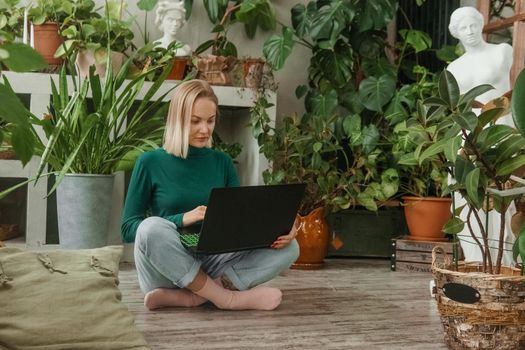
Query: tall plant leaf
<point>448,88</point>
<point>278,47</point>
<point>302,18</point>
<point>518,103</point>
<point>507,167</point>
<point>375,92</point>
<point>471,183</point>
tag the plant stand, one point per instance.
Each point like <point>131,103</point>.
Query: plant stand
<point>479,310</point>
<point>360,232</point>
<point>416,256</point>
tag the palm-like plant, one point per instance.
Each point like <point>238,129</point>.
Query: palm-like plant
<point>101,135</point>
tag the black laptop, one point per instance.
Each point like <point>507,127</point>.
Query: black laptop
<point>242,218</point>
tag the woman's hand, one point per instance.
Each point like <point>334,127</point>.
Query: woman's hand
<point>194,216</point>
<point>283,241</point>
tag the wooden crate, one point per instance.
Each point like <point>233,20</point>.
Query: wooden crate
<point>416,256</point>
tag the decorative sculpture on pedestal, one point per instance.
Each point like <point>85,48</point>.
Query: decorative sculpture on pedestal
<point>170,19</point>
<point>482,63</point>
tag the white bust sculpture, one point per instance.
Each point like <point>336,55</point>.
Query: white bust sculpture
<point>170,18</point>
<point>482,63</point>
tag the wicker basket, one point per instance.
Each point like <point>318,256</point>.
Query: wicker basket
<point>495,321</point>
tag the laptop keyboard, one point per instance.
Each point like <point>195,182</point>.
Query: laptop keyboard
<point>190,240</point>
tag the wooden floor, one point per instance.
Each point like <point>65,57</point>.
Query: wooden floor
<point>350,304</point>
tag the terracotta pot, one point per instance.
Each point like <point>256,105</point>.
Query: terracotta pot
<point>86,59</point>
<point>47,40</point>
<point>179,68</point>
<point>253,71</point>
<point>312,236</point>
<point>426,217</point>
<point>215,69</point>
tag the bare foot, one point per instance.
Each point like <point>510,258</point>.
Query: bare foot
<point>166,297</point>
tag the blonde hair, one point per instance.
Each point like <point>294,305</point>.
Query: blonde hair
<point>178,123</point>
<point>167,6</point>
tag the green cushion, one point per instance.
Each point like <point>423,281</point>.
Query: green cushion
<point>64,299</point>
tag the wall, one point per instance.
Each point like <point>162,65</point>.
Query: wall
<point>197,30</point>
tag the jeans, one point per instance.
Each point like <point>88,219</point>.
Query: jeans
<point>163,262</point>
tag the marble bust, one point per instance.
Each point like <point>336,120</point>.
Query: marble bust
<point>170,18</point>
<point>482,63</point>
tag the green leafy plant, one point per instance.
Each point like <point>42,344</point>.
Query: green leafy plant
<point>86,29</point>
<point>353,96</point>
<point>481,154</point>
<point>11,20</point>
<point>51,11</point>
<point>252,13</point>
<point>101,135</point>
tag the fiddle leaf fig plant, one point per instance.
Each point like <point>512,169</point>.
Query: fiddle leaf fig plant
<point>481,154</point>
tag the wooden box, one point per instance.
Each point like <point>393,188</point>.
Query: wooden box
<point>416,256</point>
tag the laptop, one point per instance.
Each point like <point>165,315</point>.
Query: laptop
<point>243,218</point>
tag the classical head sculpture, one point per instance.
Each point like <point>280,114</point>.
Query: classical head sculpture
<point>170,18</point>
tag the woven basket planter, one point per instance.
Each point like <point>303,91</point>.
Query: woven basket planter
<point>493,318</point>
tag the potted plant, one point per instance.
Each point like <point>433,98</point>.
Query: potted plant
<point>46,17</point>
<point>151,55</point>
<point>86,142</point>
<point>424,175</point>
<point>224,15</point>
<point>11,20</point>
<point>480,303</point>
<point>88,37</point>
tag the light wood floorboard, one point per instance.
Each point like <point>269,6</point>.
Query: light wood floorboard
<point>350,304</point>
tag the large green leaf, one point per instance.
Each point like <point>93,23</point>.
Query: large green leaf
<point>453,226</point>
<point>352,128</point>
<point>22,58</point>
<point>146,5</point>
<point>334,65</point>
<point>215,9</point>
<point>509,147</point>
<point>11,108</point>
<point>256,13</point>
<point>492,135</point>
<point>467,120</point>
<point>375,14</point>
<point>518,103</point>
<point>302,18</point>
<point>324,105</point>
<point>487,117</point>
<point>432,150</point>
<point>375,92</point>
<point>448,88</point>
<point>518,248</point>
<point>470,95</point>
<point>471,183</point>
<point>420,41</point>
<point>330,20</point>
<point>507,167</point>
<point>451,148</point>
<point>370,138</point>
<point>278,47</point>
<point>462,167</point>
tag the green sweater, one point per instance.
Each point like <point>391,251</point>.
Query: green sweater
<point>169,186</point>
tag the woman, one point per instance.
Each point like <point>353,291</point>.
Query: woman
<point>174,183</point>
<point>170,19</point>
<point>482,63</point>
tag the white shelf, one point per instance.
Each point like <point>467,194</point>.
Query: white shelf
<point>233,127</point>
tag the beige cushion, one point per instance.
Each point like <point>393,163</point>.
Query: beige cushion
<point>64,299</point>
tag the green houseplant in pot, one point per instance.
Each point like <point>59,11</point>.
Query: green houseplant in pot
<point>424,170</point>
<point>88,140</point>
<point>47,17</point>
<point>480,303</point>
<point>88,37</point>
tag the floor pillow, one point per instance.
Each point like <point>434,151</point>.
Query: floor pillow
<point>64,299</point>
